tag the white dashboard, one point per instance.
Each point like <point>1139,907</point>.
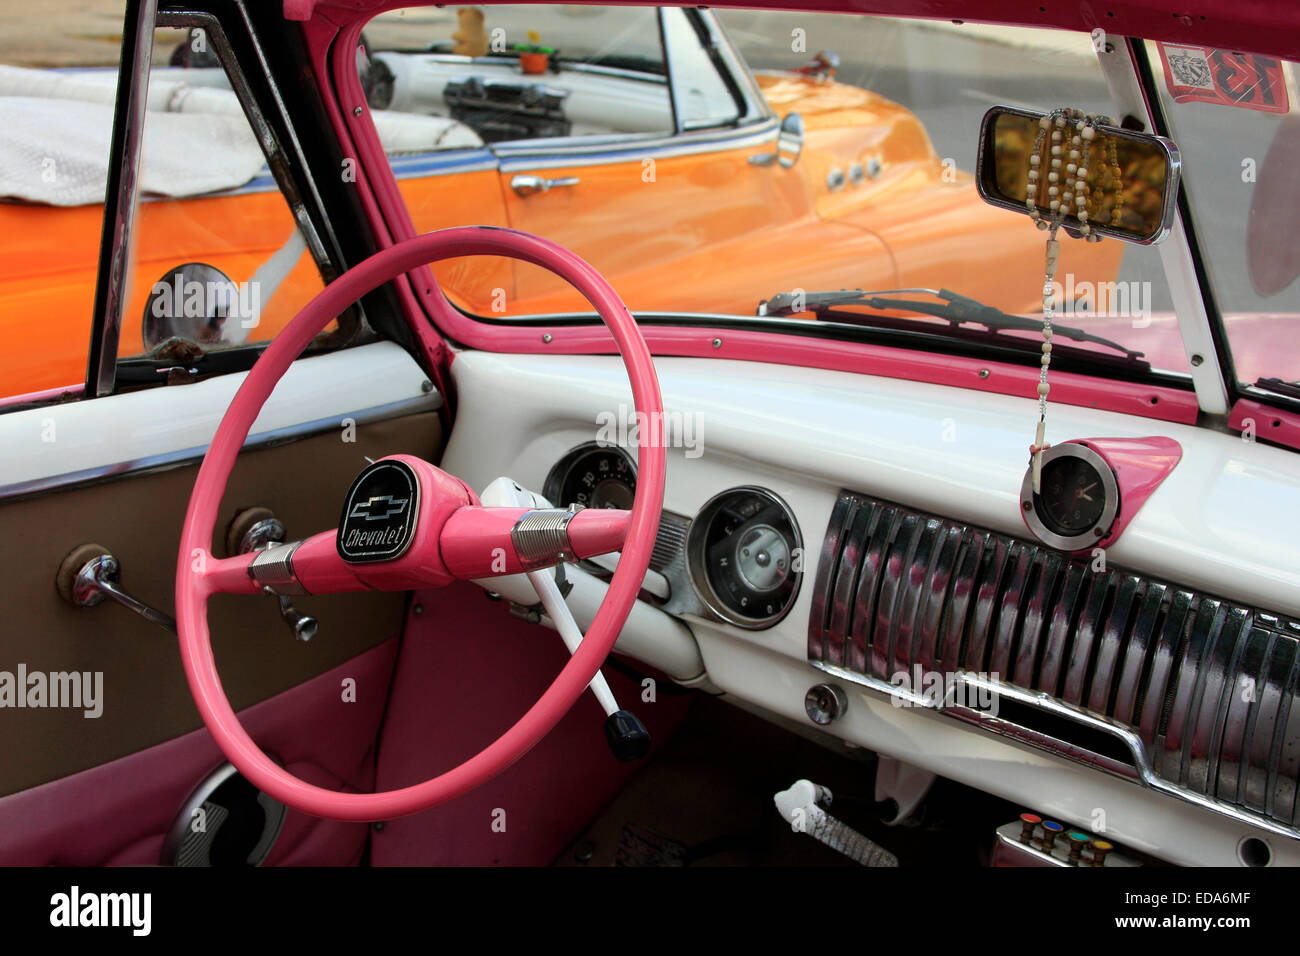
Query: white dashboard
<point>1223,521</point>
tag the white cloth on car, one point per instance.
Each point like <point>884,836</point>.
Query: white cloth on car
<point>56,126</point>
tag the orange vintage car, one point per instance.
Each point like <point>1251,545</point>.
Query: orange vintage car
<point>776,179</point>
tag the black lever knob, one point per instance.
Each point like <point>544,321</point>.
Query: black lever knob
<point>627,737</point>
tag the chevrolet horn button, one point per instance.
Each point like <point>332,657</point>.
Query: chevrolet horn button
<point>378,522</point>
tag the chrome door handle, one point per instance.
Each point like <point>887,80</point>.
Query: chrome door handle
<point>531,185</point>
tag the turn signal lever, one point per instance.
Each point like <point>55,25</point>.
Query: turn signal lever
<point>256,529</point>
<point>627,737</point>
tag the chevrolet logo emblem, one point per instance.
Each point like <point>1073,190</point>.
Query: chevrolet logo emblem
<point>379,508</point>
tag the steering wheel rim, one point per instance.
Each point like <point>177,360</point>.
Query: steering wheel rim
<point>195,582</point>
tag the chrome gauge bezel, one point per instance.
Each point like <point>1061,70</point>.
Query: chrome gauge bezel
<point>1110,507</point>
<point>555,478</point>
<point>695,540</point>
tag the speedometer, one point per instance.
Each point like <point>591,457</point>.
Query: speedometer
<point>594,476</point>
<point>746,558</point>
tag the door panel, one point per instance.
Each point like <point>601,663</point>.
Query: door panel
<point>145,699</point>
<point>118,814</point>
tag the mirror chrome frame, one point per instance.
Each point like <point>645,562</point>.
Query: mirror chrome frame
<point>990,195</point>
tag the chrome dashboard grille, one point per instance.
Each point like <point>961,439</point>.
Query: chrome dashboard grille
<point>1195,695</point>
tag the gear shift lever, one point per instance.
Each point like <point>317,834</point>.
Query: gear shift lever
<point>626,735</point>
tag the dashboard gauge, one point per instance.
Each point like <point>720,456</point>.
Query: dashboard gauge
<point>1077,500</point>
<point>594,476</point>
<point>746,557</point>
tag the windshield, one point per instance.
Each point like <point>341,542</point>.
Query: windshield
<point>646,141</point>
<point>1233,116</point>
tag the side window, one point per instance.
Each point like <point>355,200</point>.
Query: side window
<point>701,97</point>
<point>53,163</point>
<point>218,260</point>
<point>510,73</point>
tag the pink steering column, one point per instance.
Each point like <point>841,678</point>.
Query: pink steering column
<point>199,574</point>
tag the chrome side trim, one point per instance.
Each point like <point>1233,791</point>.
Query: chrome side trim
<point>593,151</point>
<point>1201,694</point>
<point>422,165</point>
<point>115,247</point>
<point>188,456</point>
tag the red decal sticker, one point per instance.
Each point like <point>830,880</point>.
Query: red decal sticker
<point>1202,73</point>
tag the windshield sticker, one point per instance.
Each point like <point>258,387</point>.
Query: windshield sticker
<point>1202,73</point>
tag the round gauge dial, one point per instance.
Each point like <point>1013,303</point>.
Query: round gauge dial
<point>745,557</point>
<point>1072,497</point>
<point>1077,499</point>
<point>593,476</point>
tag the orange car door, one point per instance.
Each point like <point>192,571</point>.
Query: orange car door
<point>707,198</point>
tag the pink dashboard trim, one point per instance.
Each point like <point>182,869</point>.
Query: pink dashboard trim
<point>1271,424</point>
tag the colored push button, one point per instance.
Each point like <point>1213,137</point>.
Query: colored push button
<point>1077,842</point>
<point>1051,830</point>
<point>1028,821</point>
<point>1099,850</point>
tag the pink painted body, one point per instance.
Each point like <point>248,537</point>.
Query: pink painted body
<point>1269,423</point>
<point>195,582</point>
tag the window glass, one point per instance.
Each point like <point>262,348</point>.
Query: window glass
<point>218,260</point>
<point>879,194</point>
<point>1235,120</point>
<point>506,73</point>
<point>53,159</point>
<point>700,93</point>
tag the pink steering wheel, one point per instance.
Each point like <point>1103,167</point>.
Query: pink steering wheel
<point>441,534</point>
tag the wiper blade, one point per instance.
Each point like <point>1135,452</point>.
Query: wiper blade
<point>1279,387</point>
<point>956,309</point>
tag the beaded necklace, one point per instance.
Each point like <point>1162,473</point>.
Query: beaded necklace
<point>1067,192</point>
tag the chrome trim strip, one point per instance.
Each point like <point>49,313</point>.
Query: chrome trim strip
<point>1140,772</point>
<point>115,248</point>
<point>592,151</point>
<point>1203,694</point>
<point>419,165</point>
<point>188,456</point>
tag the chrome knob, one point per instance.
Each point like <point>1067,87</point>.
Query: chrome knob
<point>825,703</point>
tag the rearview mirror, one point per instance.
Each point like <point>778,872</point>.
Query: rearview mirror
<point>1132,177</point>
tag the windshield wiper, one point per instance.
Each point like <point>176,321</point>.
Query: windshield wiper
<point>1279,387</point>
<point>956,309</point>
